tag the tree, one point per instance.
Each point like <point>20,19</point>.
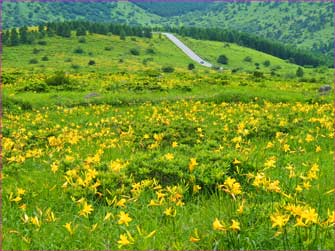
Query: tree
<point>14,37</point>
<point>81,31</point>
<point>122,34</point>
<point>222,59</point>
<point>300,72</point>
<point>6,37</point>
<point>147,33</point>
<point>191,66</point>
<point>23,34</point>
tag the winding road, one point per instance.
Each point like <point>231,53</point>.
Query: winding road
<point>187,50</point>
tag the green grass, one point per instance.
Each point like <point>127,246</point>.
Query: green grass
<point>129,131</point>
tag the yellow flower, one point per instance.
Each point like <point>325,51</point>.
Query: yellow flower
<point>108,215</point>
<point>121,203</point>
<point>123,240</point>
<point>21,191</point>
<point>318,149</point>
<point>86,210</point>
<point>271,162</point>
<point>35,221</point>
<point>170,211</point>
<point>236,162</point>
<point>196,188</point>
<point>174,144</point>
<point>235,226</point>
<point>69,228</point>
<point>231,186</point>
<point>300,222</point>
<point>286,148</point>
<point>194,239</point>
<point>124,218</point>
<point>310,215</point>
<point>309,138</point>
<point>269,145</point>
<point>154,203</point>
<point>217,225</point>
<point>274,186</point>
<point>54,167</point>
<point>192,164</point>
<point>169,156</point>
<point>279,220</point>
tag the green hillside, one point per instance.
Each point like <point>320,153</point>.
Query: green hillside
<point>110,54</point>
<point>17,14</point>
<point>308,25</point>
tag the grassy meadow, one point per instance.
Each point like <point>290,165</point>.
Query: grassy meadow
<point>122,154</point>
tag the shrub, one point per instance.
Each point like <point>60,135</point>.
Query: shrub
<point>135,52</point>
<point>300,72</point>
<point>133,39</point>
<point>60,78</point>
<point>33,61</point>
<point>266,63</point>
<point>146,60</point>
<point>247,59</point>
<point>190,66</point>
<point>68,60</point>
<point>222,59</point>
<point>258,74</point>
<point>45,58</point>
<point>79,50</point>
<point>42,42</point>
<point>75,66</point>
<point>150,51</point>
<point>91,62</point>
<point>167,69</point>
<point>82,40</point>
<point>108,48</point>
<point>36,51</point>
<point>35,87</point>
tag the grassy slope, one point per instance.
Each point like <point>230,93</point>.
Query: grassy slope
<point>165,53</point>
<point>96,78</point>
<point>266,20</point>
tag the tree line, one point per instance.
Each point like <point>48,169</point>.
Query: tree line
<point>65,29</point>
<point>23,35</point>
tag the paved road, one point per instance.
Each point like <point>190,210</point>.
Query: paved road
<point>187,50</point>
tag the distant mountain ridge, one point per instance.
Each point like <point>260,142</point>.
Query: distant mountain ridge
<point>304,24</point>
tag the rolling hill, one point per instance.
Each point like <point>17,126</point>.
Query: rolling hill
<point>111,54</point>
<point>307,25</point>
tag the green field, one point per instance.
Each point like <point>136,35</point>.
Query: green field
<point>122,155</point>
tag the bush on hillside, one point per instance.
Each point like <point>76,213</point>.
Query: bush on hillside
<point>222,59</point>
<point>135,52</point>
<point>33,61</point>
<point>42,42</point>
<point>91,62</point>
<point>190,66</point>
<point>247,59</point>
<point>79,50</point>
<point>167,69</point>
<point>82,40</point>
<point>300,72</point>
<point>266,63</point>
